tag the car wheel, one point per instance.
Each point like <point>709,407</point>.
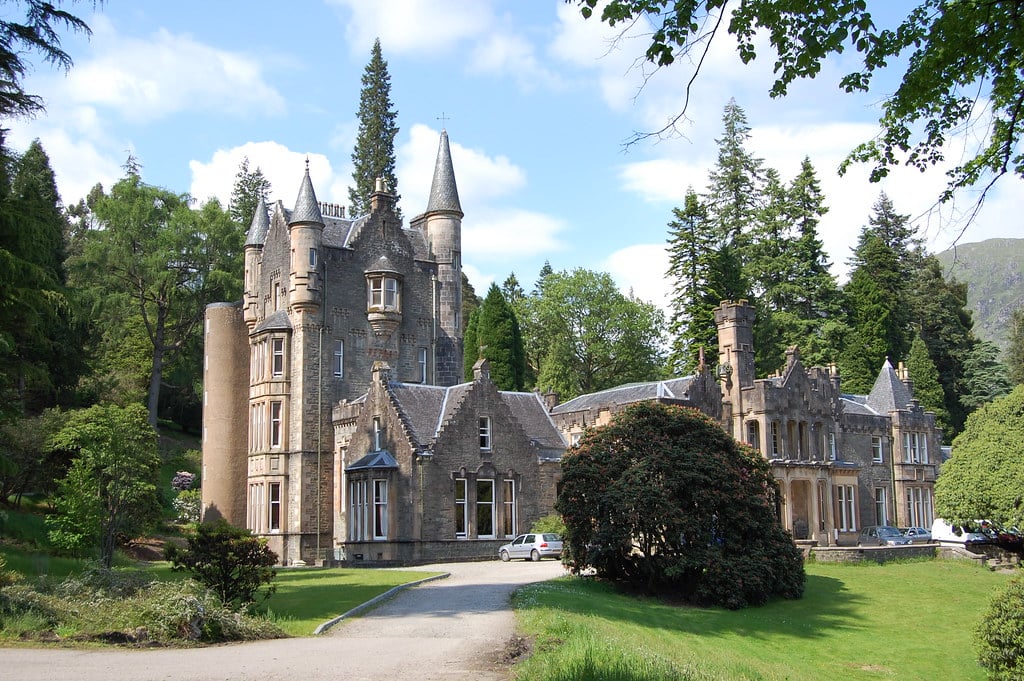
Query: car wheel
<point>534,556</point>
<point>504,556</point>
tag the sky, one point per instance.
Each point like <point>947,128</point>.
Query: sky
<point>538,104</point>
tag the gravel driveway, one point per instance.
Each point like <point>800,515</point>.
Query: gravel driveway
<point>453,628</point>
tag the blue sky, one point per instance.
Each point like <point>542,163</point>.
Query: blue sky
<point>537,101</point>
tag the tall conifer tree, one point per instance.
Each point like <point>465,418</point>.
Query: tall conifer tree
<point>927,388</point>
<point>374,153</point>
<point>499,339</point>
<point>691,264</point>
<point>250,187</point>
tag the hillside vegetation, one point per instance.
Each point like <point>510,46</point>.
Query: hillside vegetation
<point>994,273</point>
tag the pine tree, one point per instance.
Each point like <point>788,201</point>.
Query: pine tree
<point>470,302</point>
<point>927,388</point>
<point>876,298</point>
<point>250,187</point>
<point>937,307</point>
<point>986,378</point>
<point>735,183</point>
<point>691,260</point>
<point>498,335</point>
<point>374,153</point>
<point>1015,350</point>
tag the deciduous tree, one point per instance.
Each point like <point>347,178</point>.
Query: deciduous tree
<point>109,495</point>
<point>977,86</point>
<point>985,475</point>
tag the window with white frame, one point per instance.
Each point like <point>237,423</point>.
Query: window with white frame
<point>257,427</point>
<point>358,510</point>
<point>881,507</point>
<point>255,514</point>
<point>485,433</point>
<point>380,509</point>
<point>277,356</point>
<point>339,359</point>
<point>574,438</point>
<point>776,440</point>
<point>274,507</point>
<point>378,434</point>
<point>831,446</point>
<point>754,435</point>
<point>276,423</point>
<point>485,509</point>
<point>508,500</point>
<point>421,360</point>
<point>919,507</point>
<point>383,293</point>
<point>312,259</point>
<point>278,297</point>
<point>461,508</point>
<point>876,450</point>
<point>846,508</point>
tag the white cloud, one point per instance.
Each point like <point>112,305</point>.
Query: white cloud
<point>641,269</point>
<point>78,164</point>
<point>511,233</point>
<point>413,26</point>
<point>146,79</point>
<point>511,55</point>
<point>283,167</point>
<point>480,178</point>
<point>480,281</point>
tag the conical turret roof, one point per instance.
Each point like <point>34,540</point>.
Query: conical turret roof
<point>889,392</point>
<point>257,235</point>
<point>306,207</point>
<point>444,194</point>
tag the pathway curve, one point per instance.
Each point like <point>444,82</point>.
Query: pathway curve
<point>451,629</point>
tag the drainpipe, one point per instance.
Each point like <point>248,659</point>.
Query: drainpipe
<point>433,329</point>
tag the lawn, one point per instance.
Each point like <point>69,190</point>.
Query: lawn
<point>307,598</point>
<point>911,620</point>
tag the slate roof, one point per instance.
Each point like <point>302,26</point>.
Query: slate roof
<point>275,321</point>
<point>426,408</point>
<point>675,388</point>
<point>306,207</point>
<point>444,194</point>
<point>857,404</point>
<point>257,235</point>
<point>379,460</point>
<point>889,392</point>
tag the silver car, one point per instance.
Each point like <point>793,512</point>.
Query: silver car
<point>917,535</point>
<point>882,535</point>
<point>533,546</point>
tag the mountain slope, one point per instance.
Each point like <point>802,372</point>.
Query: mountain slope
<point>994,273</point>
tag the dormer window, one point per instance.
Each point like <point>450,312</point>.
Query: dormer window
<point>383,294</point>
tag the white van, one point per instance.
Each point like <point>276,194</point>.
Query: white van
<point>944,533</point>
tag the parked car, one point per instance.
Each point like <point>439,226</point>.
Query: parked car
<point>533,546</point>
<point>967,535</point>
<point>1010,538</point>
<point>917,535</point>
<point>881,535</point>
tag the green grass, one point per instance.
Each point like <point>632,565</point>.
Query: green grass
<point>307,598</point>
<point>910,620</point>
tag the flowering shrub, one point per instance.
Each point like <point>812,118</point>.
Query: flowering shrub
<point>187,505</point>
<point>664,500</point>
<point>183,480</point>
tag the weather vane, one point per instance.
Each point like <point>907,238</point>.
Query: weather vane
<point>443,118</point>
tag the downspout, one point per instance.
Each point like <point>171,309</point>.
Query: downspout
<point>433,329</point>
<point>892,477</point>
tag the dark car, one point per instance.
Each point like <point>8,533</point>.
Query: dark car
<point>881,535</point>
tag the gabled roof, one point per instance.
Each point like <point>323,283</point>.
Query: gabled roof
<point>426,408</point>
<point>889,392</point>
<point>675,388</point>
<point>444,194</point>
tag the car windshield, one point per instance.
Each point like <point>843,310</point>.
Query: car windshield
<point>888,532</point>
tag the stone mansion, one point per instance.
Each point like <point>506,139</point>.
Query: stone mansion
<point>337,424</point>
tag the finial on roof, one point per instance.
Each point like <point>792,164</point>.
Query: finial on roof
<point>444,194</point>
<point>307,209</point>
